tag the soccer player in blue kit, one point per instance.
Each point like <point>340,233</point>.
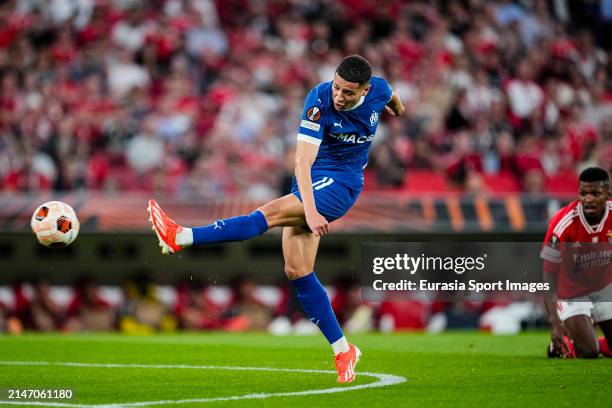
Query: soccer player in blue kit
<point>336,130</point>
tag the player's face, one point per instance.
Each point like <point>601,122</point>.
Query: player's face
<point>346,94</point>
<point>594,197</point>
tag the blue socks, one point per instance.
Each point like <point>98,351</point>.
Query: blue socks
<point>231,229</point>
<point>315,302</point>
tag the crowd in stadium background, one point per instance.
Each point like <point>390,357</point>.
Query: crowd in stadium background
<point>140,306</point>
<point>201,98</point>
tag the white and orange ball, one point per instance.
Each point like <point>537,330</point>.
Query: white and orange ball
<point>55,224</point>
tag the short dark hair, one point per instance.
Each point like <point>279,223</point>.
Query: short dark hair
<point>355,68</point>
<point>595,174</point>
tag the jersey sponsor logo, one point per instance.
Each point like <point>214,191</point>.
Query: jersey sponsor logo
<point>310,125</point>
<point>313,113</point>
<point>351,137</point>
<point>373,118</point>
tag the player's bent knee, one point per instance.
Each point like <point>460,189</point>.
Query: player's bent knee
<point>296,272</point>
<point>274,213</point>
<point>269,209</point>
<point>583,351</point>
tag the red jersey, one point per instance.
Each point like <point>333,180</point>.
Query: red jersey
<point>581,269</point>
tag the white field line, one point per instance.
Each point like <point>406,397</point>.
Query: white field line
<point>383,381</point>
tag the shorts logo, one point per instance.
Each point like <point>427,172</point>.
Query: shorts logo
<point>373,118</point>
<point>313,113</point>
<point>310,125</point>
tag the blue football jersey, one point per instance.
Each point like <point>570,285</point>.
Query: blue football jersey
<point>344,137</point>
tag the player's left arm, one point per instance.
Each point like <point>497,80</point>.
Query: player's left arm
<point>395,105</point>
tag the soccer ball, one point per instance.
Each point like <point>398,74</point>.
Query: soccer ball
<point>55,224</point>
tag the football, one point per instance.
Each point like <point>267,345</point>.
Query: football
<point>55,224</point>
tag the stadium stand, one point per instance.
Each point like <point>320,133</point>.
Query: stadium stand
<point>103,102</point>
<point>199,97</point>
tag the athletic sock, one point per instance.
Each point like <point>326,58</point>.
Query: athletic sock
<point>231,229</point>
<point>604,349</point>
<point>340,346</point>
<point>184,237</point>
<point>315,302</point>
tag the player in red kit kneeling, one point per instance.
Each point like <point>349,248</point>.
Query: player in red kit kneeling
<point>577,262</point>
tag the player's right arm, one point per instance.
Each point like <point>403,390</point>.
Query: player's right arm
<point>309,138</point>
<point>551,254</point>
<point>305,155</point>
<point>557,329</point>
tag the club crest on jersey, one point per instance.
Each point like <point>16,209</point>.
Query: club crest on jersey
<point>554,242</point>
<point>609,235</point>
<point>373,118</point>
<point>313,113</point>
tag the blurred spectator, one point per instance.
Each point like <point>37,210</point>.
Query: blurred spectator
<point>353,313</point>
<point>528,165</point>
<point>124,74</point>
<point>402,314</point>
<point>459,116</point>
<point>194,309</point>
<point>88,310</point>
<point>288,305</point>
<point>3,317</point>
<point>21,305</point>
<point>131,32</point>
<point>387,162</point>
<point>524,94</point>
<point>46,314</point>
<point>466,166</point>
<point>142,311</point>
<point>462,314</point>
<point>245,311</point>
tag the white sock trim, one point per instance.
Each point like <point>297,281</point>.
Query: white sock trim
<point>185,237</point>
<point>340,346</point>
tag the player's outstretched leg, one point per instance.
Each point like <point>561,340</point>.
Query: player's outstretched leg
<point>172,237</point>
<point>165,228</point>
<point>299,250</point>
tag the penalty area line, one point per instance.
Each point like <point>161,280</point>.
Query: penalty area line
<point>383,380</point>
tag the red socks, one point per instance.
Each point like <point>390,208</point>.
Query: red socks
<point>604,349</point>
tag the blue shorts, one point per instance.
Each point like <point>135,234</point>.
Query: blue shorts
<point>334,193</point>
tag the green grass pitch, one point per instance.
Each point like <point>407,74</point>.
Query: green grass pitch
<point>452,369</point>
